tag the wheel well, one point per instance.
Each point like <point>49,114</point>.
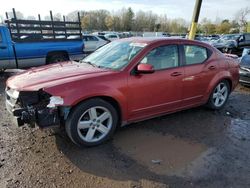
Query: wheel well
<point>51,54</point>
<point>110,100</point>
<point>229,82</point>
<point>116,105</point>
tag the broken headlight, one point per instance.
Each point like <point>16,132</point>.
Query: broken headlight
<point>55,101</point>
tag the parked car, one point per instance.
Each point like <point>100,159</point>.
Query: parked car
<point>92,43</point>
<point>213,37</point>
<point>23,47</point>
<point>104,38</point>
<point>156,34</point>
<point>245,67</point>
<point>226,42</point>
<point>125,81</point>
<point>112,37</point>
<point>232,43</point>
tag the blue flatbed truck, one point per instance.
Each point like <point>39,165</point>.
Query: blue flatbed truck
<point>29,43</point>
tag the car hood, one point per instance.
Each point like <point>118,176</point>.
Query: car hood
<point>46,76</point>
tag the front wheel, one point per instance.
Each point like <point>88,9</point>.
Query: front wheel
<point>219,95</point>
<point>92,122</point>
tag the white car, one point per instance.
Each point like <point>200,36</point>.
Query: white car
<point>112,37</point>
<point>91,43</point>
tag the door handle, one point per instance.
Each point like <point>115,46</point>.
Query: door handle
<point>212,67</point>
<point>176,74</point>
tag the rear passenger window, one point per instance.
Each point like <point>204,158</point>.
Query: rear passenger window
<point>92,38</point>
<point>195,54</point>
<point>84,38</point>
<point>89,38</point>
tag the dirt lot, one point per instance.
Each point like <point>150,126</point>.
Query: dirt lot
<point>193,148</point>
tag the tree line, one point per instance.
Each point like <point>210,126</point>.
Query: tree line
<point>126,19</point>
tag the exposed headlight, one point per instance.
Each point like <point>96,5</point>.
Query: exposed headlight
<point>12,93</point>
<point>15,94</point>
<point>55,101</point>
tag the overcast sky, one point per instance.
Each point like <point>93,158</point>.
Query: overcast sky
<point>211,9</point>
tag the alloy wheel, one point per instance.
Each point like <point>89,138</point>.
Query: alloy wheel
<point>94,124</point>
<point>220,94</point>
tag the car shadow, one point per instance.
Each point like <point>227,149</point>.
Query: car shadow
<point>111,160</point>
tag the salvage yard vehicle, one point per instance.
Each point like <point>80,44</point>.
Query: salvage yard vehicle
<point>92,43</point>
<point>111,36</point>
<point>245,67</point>
<point>232,43</point>
<point>125,81</point>
<point>29,43</point>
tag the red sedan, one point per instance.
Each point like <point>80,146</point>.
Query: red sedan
<point>125,81</point>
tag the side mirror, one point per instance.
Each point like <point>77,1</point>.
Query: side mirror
<point>145,69</point>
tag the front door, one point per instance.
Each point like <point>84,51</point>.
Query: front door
<point>159,92</point>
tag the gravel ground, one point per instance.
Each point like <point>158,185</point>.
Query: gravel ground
<point>193,148</point>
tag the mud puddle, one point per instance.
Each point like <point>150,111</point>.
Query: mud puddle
<point>161,154</point>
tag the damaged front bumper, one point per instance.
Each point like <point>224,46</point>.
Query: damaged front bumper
<point>30,107</point>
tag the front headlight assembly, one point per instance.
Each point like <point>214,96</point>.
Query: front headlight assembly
<point>55,101</point>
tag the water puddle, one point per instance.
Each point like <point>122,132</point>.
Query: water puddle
<point>161,154</point>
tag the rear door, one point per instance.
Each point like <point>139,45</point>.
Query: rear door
<point>161,91</point>
<point>199,70</point>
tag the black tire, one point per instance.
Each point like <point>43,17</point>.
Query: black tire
<point>211,102</point>
<point>56,58</point>
<point>71,124</point>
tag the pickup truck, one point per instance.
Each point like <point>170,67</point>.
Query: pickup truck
<point>30,43</point>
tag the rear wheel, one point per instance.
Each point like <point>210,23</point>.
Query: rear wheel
<point>92,122</point>
<point>219,95</point>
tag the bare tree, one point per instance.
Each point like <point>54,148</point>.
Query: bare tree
<point>1,19</point>
<point>109,21</point>
<point>241,17</point>
<point>19,15</point>
<point>57,17</point>
<point>31,18</point>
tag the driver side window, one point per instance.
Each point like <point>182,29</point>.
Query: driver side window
<point>162,57</point>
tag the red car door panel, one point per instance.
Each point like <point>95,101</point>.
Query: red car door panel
<point>197,78</point>
<point>159,92</point>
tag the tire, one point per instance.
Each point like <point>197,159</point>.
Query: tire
<point>91,122</point>
<point>57,58</point>
<point>219,95</point>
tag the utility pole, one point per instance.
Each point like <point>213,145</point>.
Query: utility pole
<point>195,19</point>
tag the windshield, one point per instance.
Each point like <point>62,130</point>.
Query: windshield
<point>114,55</point>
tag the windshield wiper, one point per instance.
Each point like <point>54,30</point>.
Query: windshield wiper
<point>94,65</point>
<point>88,62</point>
<point>102,67</point>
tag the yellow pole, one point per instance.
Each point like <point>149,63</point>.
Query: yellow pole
<point>195,19</point>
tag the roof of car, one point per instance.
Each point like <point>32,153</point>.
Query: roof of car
<point>150,40</point>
